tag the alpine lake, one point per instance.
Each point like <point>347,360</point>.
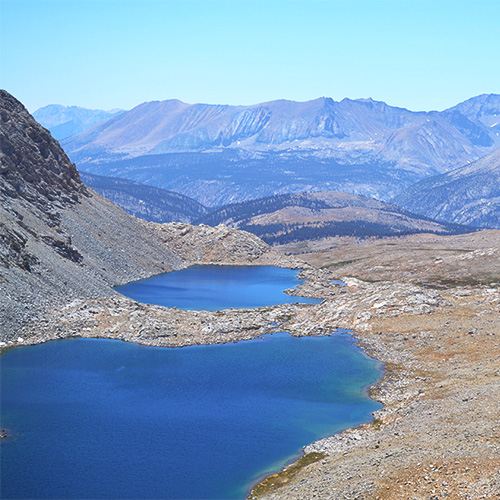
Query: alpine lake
<point>100,419</point>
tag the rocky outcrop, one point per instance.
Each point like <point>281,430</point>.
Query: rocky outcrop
<point>220,245</point>
<point>32,167</point>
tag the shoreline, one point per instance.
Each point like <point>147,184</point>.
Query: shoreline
<point>280,476</point>
<point>422,438</point>
<point>353,340</point>
<point>426,408</point>
<point>270,328</point>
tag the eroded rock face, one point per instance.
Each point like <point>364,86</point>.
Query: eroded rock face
<point>13,250</point>
<point>33,165</point>
<point>36,173</point>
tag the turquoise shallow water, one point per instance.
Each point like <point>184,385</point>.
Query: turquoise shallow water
<point>95,418</point>
<point>211,288</point>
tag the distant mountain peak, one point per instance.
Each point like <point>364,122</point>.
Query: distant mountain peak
<point>484,108</point>
<point>481,98</point>
<point>65,121</point>
<point>59,107</point>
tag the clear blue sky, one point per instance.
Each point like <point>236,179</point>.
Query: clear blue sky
<point>105,54</point>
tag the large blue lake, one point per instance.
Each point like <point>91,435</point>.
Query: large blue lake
<point>210,288</point>
<point>101,419</point>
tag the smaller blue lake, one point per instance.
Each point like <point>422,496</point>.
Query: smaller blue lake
<point>210,288</point>
<point>339,282</point>
<point>101,419</point>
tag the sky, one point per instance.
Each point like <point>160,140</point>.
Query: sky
<point>105,54</point>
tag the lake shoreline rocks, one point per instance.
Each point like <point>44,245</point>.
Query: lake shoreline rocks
<point>437,435</point>
<point>405,326</point>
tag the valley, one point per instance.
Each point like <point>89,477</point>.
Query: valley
<point>426,305</point>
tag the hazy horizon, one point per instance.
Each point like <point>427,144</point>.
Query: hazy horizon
<point>416,54</point>
<point>249,104</point>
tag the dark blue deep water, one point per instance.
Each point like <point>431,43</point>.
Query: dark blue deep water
<point>211,288</point>
<point>102,419</point>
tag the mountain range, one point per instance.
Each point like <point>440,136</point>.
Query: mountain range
<point>65,121</point>
<point>467,195</point>
<point>220,154</point>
